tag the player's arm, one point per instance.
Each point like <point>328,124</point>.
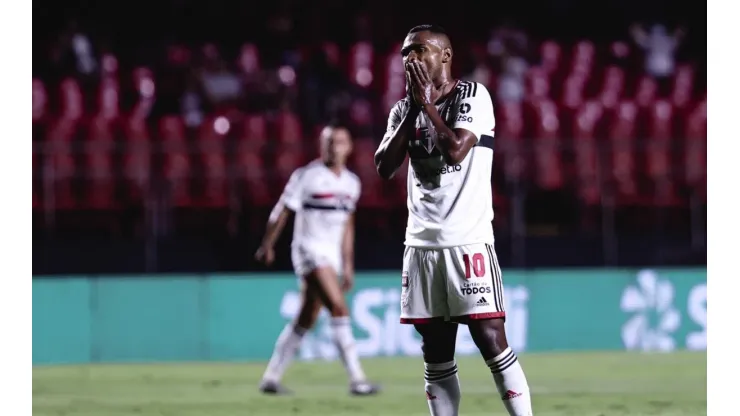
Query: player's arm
<point>393,148</point>
<point>288,204</point>
<point>453,143</point>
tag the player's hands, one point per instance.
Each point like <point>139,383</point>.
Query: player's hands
<point>348,279</point>
<point>422,89</point>
<point>265,255</point>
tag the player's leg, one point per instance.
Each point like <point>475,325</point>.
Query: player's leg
<point>289,341</point>
<point>424,304</point>
<point>441,383</point>
<point>324,281</point>
<point>479,297</point>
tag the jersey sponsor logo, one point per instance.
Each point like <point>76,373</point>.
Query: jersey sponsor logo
<point>421,172</point>
<point>464,108</point>
<point>462,117</point>
<point>475,291</point>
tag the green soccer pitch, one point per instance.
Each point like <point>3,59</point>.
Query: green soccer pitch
<point>563,384</point>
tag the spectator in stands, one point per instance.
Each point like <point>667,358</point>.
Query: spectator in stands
<point>74,55</point>
<point>510,45</point>
<point>220,85</point>
<point>660,49</point>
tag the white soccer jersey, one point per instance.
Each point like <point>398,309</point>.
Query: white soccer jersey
<point>450,205</point>
<point>322,202</point>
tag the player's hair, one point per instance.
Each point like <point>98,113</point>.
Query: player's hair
<point>339,124</point>
<point>429,28</point>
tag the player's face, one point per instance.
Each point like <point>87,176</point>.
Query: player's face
<point>336,145</point>
<point>423,47</point>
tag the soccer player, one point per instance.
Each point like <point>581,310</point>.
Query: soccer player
<point>322,195</point>
<point>450,272</point>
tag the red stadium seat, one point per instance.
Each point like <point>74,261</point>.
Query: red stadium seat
<point>287,159</point>
<point>508,142</point>
<point>683,86</point>
<point>212,139</point>
<point>146,89</point>
<point>658,154</point>
<point>695,149</point>
<point>373,187</point>
<point>40,100</point>
<point>395,85</point>
<point>361,57</point>
<point>99,146</point>
<point>624,166</point>
<point>538,84</point>
<point>586,152</point>
<point>109,66</point>
<point>108,94</point>
<point>646,92</point>
<point>582,62</point>
<point>249,59</point>
<point>137,164</point>
<point>72,100</point>
<point>551,55</point>
<point>177,167</point>
<point>254,132</point>
<point>547,146</point>
<point>251,168</point>
<point>612,88</point>
<point>288,128</point>
<point>60,161</point>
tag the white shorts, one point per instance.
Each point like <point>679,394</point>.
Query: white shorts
<point>451,284</point>
<point>307,260</point>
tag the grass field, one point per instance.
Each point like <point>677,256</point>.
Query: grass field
<point>562,384</point>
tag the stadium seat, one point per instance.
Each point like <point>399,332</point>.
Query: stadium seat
<point>548,149</point>
<point>646,91</point>
<point>538,84</point>
<point>145,88</point>
<point>253,132</point>
<point>550,56</point>
<point>137,162</point>
<point>622,146</point>
<point>658,153</point>
<point>509,140</point>
<point>252,172</point>
<point>373,187</point>
<point>249,59</point>
<point>695,150</point>
<point>212,143</point>
<point>361,56</point>
<point>395,80</point>
<point>99,167</point>
<point>612,88</point>
<point>108,96</point>
<point>586,152</point>
<point>60,162</point>
<point>40,100</point>
<point>288,128</point>
<point>177,166</point>
<point>683,86</point>
<point>72,105</point>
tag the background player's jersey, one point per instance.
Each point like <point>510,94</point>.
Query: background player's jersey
<point>450,205</point>
<point>322,202</point>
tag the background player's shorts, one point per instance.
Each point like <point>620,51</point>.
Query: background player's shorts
<point>456,284</point>
<point>306,260</point>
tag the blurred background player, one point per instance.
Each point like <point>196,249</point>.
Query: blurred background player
<point>450,270</point>
<point>323,195</point>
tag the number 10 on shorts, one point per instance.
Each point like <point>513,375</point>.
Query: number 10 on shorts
<point>477,263</point>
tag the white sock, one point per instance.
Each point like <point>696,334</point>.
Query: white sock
<point>285,348</point>
<point>345,342</point>
<point>511,383</point>
<point>443,388</point>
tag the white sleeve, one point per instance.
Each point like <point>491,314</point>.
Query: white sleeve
<point>357,194</point>
<point>292,196</point>
<point>395,117</point>
<point>474,111</point>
